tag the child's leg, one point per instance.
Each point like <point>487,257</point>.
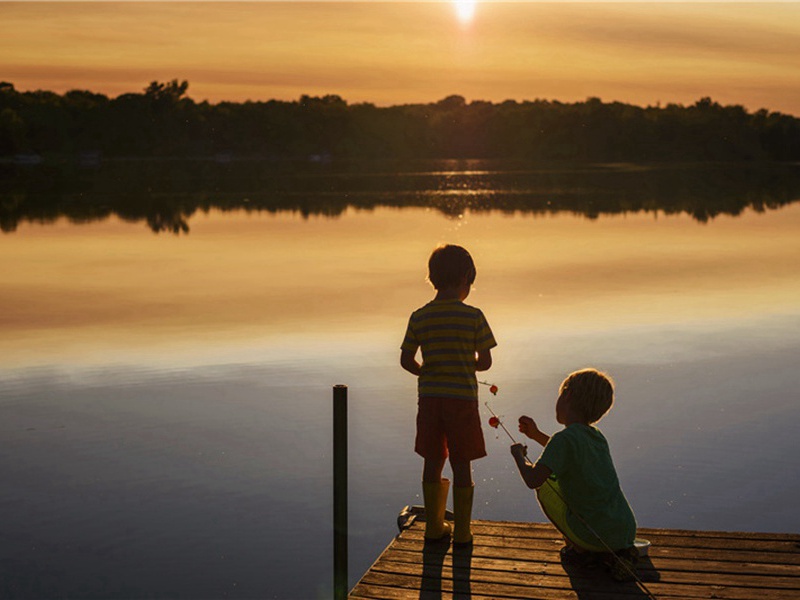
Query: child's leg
<point>554,508</point>
<point>462,473</point>
<point>434,492</point>
<point>465,443</point>
<point>463,492</point>
<point>431,445</point>
<point>432,469</point>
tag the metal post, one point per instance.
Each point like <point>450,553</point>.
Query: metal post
<point>340,588</point>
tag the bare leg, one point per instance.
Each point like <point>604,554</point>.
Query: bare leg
<point>462,473</point>
<point>432,470</point>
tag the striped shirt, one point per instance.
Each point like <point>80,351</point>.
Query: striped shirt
<point>449,333</point>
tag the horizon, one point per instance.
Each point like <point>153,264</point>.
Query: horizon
<point>397,53</point>
<point>188,95</point>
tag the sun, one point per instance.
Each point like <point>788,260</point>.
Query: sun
<point>465,10</point>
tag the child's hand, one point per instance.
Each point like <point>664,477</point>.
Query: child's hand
<point>519,452</point>
<point>528,426</point>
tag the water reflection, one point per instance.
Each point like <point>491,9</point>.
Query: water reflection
<point>166,399</point>
<point>111,290</point>
<point>165,194</point>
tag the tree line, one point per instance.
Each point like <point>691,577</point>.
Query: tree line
<point>163,121</point>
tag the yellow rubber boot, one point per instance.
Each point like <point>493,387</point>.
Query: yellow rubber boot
<point>462,514</point>
<point>435,497</point>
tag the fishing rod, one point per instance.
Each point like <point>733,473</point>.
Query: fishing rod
<point>495,421</point>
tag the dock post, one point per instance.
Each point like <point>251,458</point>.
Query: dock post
<point>340,589</point>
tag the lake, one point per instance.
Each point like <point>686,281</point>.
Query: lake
<point>166,398</point>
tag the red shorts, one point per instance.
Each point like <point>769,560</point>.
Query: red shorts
<point>449,426</point>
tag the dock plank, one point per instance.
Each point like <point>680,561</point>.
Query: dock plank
<point>521,560</point>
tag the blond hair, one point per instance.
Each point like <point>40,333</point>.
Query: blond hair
<point>591,393</point>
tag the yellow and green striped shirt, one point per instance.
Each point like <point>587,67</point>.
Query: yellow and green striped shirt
<point>449,333</point>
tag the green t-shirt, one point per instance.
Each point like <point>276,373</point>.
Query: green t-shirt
<point>580,459</point>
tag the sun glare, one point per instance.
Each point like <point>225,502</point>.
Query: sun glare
<point>465,10</point>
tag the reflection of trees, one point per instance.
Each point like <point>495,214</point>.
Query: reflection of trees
<point>165,194</point>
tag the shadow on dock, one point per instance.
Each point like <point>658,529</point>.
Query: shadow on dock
<point>521,560</point>
<point>590,582</point>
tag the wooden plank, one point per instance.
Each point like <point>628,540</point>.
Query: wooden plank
<point>709,560</point>
<point>544,529</point>
<point>508,570</point>
<point>523,547</point>
<point>521,560</point>
<point>665,538</point>
<point>381,585</point>
<point>647,571</point>
<point>784,543</point>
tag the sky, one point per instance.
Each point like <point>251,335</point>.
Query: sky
<point>388,53</point>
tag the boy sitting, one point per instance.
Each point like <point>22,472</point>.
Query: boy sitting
<point>576,482</point>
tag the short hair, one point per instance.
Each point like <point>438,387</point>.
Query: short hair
<point>591,393</point>
<point>449,265</point>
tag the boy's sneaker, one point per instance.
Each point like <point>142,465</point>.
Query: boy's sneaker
<point>570,556</point>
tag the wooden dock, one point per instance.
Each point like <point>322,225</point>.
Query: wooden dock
<point>521,560</point>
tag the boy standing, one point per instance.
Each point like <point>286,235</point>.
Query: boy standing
<point>575,478</point>
<point>456,341</point>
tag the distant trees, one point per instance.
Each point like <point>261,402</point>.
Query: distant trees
<point>163,121</point>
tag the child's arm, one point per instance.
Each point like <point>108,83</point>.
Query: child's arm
<point>534,476</point>
<point>484,360</point>
<point>408,360</point>
<point>528,427</point>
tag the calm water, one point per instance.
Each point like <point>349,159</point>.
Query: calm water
<point>166,399</point>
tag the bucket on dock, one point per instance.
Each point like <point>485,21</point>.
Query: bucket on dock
<point>642,546</point>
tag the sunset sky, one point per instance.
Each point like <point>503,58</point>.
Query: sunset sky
<point>404,52</point>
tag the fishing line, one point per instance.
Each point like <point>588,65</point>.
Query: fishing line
<point>580,518</point>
